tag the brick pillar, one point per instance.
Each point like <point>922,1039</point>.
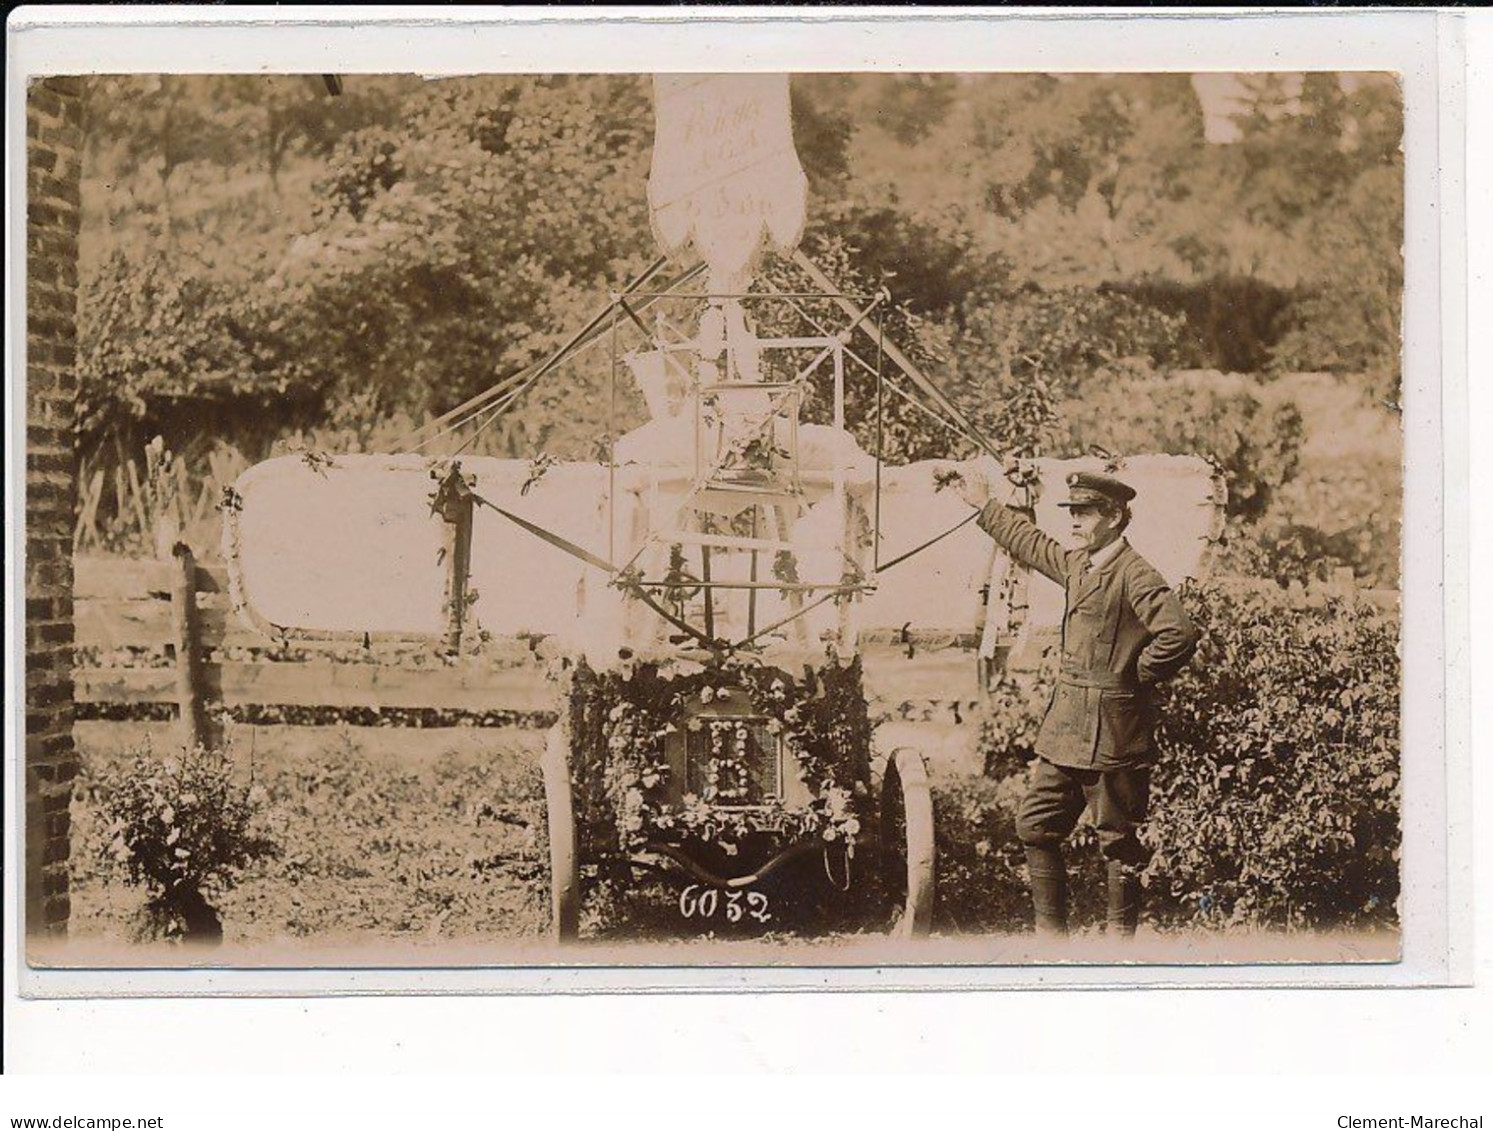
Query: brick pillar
<point>53,142</point>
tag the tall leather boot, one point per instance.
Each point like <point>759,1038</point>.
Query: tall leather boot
<point>1124,900</point>
<point>1049,891</point>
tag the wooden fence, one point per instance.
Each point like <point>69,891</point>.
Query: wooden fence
<point>171,624</point>
<point>159,639</point>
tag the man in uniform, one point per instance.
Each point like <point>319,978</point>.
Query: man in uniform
<point>1123,632</point>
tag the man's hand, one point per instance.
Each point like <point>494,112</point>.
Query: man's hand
<point>977,481</point>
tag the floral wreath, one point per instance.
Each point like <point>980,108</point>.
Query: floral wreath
<point>623,718</point>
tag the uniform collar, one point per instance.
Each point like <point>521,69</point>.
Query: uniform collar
<point>1106,555</point>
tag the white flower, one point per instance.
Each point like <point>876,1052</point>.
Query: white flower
<point>836,800</point>
<point>707,693</point>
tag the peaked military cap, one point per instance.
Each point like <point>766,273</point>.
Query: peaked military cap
<point>1087,488</point>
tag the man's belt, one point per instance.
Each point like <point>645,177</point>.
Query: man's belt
<point>1101,678</point>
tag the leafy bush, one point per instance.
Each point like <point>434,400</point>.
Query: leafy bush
<point>1005,358</point>
<point>1232,321</point>
<point>1349,487</point>
<point>981,866</point>
<point>1286,552</point>
<point>184,829</point>
<point>1275,799</point>
<point>1020,354</point>
<point>929,261</point>
<point>1350,321</point>
<point>155,327</point>
<point>466,242</point>
<point>1257,446</point>
<point>1277,796</point>
<point>364,165</point>
<point>1010,720</point>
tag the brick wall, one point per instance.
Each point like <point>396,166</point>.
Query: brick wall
<point>53,139</point>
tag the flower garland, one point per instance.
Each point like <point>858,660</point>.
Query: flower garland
<point>624,719</point>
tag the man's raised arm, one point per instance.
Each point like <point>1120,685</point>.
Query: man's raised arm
<point>989,490</point>
<point>1020,537</point>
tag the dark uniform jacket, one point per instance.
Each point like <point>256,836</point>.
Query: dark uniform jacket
<point>1124,631</point>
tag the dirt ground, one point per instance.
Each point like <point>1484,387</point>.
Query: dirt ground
<point>398,838</point>
<point>422,848</point>
<point>425,835</point>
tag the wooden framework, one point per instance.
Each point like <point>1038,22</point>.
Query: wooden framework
<point>772,494</point>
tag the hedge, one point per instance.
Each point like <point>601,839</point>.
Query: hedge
<point>1276,792</point>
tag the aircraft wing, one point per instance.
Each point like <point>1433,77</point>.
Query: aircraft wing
<point>349,545</point>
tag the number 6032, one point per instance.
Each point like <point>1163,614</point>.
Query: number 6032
<point>700,902</point>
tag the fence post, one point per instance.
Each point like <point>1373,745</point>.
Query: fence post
<point>187,641</point>
<point>454,504</point>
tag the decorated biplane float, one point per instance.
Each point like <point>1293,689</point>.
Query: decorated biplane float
<point>706,586</point>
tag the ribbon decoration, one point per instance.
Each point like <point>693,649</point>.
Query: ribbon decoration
<point>549,536</point>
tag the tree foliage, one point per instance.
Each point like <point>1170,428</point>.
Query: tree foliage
<point>1323,169</point>
<point>149,334</point>
<point>462,245</point>
<point>1111,180</point>
<point>1020,354</point>
<point>1050,243</point>
<point>1256,447</point>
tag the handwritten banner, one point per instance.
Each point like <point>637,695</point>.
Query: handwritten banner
<point>725,174</point>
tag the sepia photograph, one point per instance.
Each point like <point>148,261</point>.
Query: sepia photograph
<point>864,518</point>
